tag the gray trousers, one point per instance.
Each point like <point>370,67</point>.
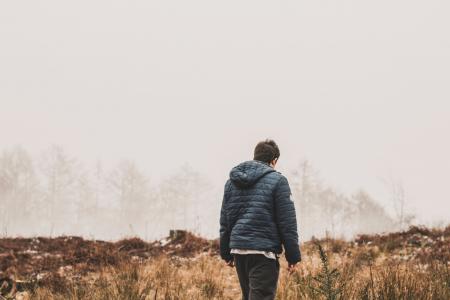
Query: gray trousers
<point>258,276</point>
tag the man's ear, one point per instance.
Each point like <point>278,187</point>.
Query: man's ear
<point>273,162</point>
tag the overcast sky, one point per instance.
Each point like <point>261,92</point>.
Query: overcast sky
<point>359,88</point>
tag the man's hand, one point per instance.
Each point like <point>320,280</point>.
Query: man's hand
<point>230,263</point>
<point>292,268</point>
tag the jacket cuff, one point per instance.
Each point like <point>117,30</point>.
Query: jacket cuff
<point>292,254</point>
<point>226,257</point>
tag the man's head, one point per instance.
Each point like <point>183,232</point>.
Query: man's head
<point>267,151</point>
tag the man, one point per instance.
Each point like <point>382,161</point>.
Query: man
<point>258,217</point>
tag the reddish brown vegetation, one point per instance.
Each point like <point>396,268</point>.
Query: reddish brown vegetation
<point>28,258</point>
<point>417,243</point>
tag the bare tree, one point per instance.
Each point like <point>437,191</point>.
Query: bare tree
<point>399,202</point>
<point>18,185</point>
<point>181,197</point>
<point>59,171</point>
<point>333,209</point>
<point>86,203</point>
<point>305,184</point>
<point>130,188</point>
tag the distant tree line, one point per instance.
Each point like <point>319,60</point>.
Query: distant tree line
<point>56,194</point>
<point>323,210</point>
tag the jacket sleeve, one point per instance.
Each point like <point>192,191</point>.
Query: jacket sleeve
<point>287,221</point>
<point>225,230</point>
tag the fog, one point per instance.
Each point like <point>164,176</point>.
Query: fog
<point>56,194</point>
<point>180,92</point>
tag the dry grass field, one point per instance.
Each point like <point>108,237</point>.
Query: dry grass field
<point>413,264</point>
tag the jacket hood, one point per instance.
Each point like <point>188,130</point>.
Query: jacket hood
<point>249,172</point>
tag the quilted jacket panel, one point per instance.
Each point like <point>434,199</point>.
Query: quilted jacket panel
<point>257,212</point>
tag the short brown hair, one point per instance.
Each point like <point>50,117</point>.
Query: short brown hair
<point>266,151</point>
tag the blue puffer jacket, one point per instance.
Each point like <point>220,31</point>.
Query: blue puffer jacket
<point>258,212</point>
